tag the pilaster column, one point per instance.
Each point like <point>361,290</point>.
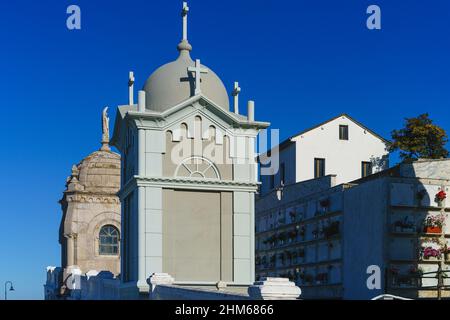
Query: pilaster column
<point>70,250</point>
<point>141,238</point>
<point>142,283</point>
<point>141,152</point>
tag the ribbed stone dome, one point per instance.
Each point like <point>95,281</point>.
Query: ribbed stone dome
<point>171,84</point>
<point>100,172</point>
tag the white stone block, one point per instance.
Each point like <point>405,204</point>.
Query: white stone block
<point>153,221</point>
<point>153,244</point>
<point>153,198</point>
<point>153,265</point>
<point>153,164</point>
<point>241,224</point>
<point>91,273</point>
<point>157,279</point>
<point>274,289</point>
<point>429,282</point>
<point>243,172</point>
<point>160,278</point>
<point>241,147</point>
<point>242,247</point>
<point>155,141</point>
<point>241,202</point>
<point>242,271</point>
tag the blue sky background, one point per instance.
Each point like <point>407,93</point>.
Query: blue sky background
<point>301,61</point>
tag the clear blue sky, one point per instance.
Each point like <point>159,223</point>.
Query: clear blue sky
<point>302,61</point>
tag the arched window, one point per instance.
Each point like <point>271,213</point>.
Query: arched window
<point>108,241</point>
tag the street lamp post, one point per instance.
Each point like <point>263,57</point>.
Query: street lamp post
<point>11,288</point>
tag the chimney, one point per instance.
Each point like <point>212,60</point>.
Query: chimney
<point>251,111</point>
<point>141,101</point>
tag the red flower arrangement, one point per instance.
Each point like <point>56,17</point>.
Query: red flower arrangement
<point>441,195</point>
<point>434,224</point>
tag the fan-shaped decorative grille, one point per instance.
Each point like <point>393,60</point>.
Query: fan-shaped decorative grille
<point>197,167</point>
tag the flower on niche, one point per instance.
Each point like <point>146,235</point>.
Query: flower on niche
<point>441,195</point>
<point>431,252</point>
<point>435,221</point>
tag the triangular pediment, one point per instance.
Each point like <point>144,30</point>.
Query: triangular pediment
<point>196,105</point>
<point>203,104</point>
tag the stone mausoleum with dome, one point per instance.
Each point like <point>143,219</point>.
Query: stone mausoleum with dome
<point>89,232</point>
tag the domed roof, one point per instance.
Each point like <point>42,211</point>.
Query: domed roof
<point>172,84</point>
<point>100,172</point>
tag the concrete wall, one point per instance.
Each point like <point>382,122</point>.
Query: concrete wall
<point>428,169</point>
<point>294,192</point>
<point>365,210</point>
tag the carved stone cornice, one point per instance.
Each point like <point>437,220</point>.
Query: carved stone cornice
<point>187,183</point>
<point>90,198</point>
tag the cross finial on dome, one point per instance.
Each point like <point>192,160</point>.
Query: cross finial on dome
<point>184,44</point>
<point>184,14</point>
<point>235,94</point>
<point>198,70</point>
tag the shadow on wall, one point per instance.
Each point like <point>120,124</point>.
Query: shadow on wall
<point>380,162</point>
<point>417,219</point>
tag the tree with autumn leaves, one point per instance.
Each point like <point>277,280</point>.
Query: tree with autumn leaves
<point>420,138</point>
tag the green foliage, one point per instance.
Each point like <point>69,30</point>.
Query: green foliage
<point>420,138</point>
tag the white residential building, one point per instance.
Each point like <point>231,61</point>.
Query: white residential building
<point>340,146</point>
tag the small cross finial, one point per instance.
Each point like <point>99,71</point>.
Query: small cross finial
<point>184,14</point>
<point>131,88</point>
<point>237,89</point>
<point>184,45</point>
<point>235,94</point>
<point>198,70</point>
<point>131,79</point>
<point>185,9</point>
